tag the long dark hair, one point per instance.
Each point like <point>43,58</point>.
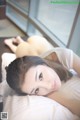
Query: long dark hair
<point>18,68</point>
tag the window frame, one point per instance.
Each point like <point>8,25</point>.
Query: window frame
<point>52,38</point>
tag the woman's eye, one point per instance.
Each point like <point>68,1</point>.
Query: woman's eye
<point>36,91</point>
<point>41,76</point>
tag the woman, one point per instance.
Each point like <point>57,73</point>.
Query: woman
<point>47,76</point>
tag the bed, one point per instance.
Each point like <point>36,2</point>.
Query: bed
<point>29,107</point>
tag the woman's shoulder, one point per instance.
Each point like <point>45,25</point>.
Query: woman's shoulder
<point>60,55</point>
<point>72,88</point>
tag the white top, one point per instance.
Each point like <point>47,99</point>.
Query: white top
<point>64,55</point>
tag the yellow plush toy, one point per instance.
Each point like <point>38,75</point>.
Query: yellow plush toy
<point>34,45</point>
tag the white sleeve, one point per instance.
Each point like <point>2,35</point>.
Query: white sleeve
<point>65,57</point>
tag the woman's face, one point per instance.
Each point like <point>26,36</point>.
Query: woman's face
<point>41,80</point>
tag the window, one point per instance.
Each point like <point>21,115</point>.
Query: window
<point>56,22</point>
<point>58,18</point>
<point>17,18</point>
<point>23,4</point>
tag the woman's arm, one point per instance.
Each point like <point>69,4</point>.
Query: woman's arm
<point>72,104</point>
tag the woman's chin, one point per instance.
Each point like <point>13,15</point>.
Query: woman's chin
<point>57,85</point>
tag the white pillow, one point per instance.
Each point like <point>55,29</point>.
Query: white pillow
<point>30,107</point>
<point>35,108</point>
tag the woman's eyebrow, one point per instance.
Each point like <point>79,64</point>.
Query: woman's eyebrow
<point>35,80</point>
<point>32,91</point>
<point>36,76</point>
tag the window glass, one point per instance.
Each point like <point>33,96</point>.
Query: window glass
<point>23,4</point>
<point>17,18</point>
<point>32,30</point>
<point>58,18</point>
